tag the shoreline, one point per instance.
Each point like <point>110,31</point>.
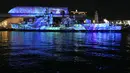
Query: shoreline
<point>34,30</point>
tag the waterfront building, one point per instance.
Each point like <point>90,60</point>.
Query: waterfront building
<point>96,17</point>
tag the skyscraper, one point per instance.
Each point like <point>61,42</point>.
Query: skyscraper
<point>96,17</point>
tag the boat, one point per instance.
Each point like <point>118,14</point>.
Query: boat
<point>73,27</point>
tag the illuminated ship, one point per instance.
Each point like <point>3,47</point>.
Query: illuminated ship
<point>42,18</point>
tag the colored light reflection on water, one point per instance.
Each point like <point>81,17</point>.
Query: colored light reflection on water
<point>51,52</point>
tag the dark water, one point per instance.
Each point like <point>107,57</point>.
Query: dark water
<point>64,52</point>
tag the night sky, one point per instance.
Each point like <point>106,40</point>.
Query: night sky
<point>111,9</point>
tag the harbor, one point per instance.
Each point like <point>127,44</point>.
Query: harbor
<point>39,39</point>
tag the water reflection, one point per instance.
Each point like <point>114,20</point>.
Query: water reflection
<point>53,51</point>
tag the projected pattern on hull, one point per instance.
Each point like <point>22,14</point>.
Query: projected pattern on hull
<point>74,27</point>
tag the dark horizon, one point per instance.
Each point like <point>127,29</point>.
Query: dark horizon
<point>106,9</point>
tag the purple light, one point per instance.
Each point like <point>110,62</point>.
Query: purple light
<point>37,11</point>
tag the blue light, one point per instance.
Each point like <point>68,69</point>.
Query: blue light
<point>41,24</point>
<point>37,11</point>
<point>103,40</point>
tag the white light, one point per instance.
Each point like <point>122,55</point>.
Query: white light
<point>120,22</point>
<point>128,22</point>
<point>106,21</point>
<point>76,10</point>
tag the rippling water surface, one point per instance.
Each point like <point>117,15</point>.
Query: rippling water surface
<point>64,52</point>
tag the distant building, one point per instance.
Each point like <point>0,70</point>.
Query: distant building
<point>120,22</point>
<point>50,14</point>
<point>28,11</point>
<point>79,15</point>
<point>79,12</point>
<point>96,17</point>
